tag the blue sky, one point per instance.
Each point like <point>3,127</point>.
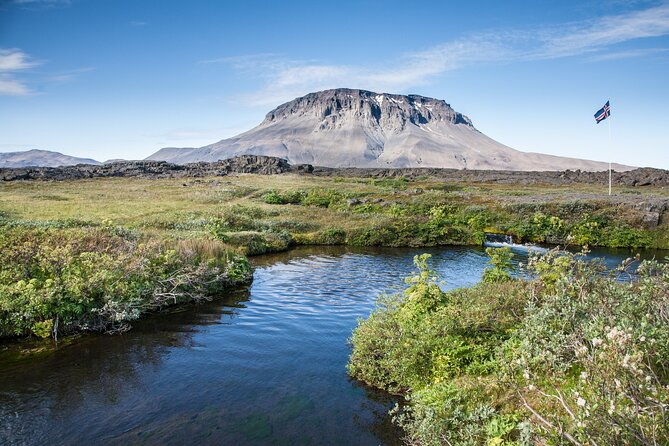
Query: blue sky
<point>121,79</point>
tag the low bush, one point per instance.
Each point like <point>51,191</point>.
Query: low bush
<point>573,355</point>
<point>66,280</point>
<point>254,243</point>
<point>323,198</point>
<point>331,236</point>
<point>290,197</point>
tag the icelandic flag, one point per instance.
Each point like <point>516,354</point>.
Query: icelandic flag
<point>603,113</point>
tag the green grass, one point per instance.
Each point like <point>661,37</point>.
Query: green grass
<point>356,211</point>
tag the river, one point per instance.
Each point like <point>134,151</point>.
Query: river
<point>264,365</point>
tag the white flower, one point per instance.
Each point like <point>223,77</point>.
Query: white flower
<point>642,339</point>
<point>584,375</point>
<point>613,333</point>
<point>580,402</point>
<point>596,342</point>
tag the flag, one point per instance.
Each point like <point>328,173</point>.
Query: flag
<point>603,113</point>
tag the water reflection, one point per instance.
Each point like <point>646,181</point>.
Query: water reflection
<point>41,391</point>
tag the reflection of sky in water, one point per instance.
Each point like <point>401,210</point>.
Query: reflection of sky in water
<point>265,366</point>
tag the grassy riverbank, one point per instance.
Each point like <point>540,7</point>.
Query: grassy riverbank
<point>570,357</point>
<point>92,254</point>
<point>59,281</point>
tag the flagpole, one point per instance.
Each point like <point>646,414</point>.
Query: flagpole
<point>609,161</point>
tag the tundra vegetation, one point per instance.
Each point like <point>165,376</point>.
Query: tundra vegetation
<point>56,280</point>
<point>567,355</point>
<point>571,356</point>
<point>93,254</point>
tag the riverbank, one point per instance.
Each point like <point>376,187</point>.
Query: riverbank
<point>60,281</point>
<point>571,356</point>
<point>248,214</point>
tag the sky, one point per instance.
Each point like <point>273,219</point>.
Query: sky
<point>112,79</point>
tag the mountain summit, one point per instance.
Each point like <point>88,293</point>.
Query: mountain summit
<point>359,128</point>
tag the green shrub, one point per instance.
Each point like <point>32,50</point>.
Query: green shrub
<point>331,236</point>
<point>592,354</point>
<point>623,236</point>
<point>272,197</point>
<point>570,356</point>
<point>500,265</point>
<point>375,236</point>
<point>67,280</point>
<point>291,197</point>
<point>254,243</point>
<point>322,198</point>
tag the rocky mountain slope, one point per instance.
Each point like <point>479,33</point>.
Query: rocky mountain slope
<point>358,128</point>
<point>41,158</point>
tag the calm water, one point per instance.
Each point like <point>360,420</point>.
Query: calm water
<point>259,366</point>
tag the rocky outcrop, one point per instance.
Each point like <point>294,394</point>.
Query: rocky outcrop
<point>652,211</point>
<point>637,177</point>
<point>357,128</point>
<point>156,169</point>
<point>264,165</point>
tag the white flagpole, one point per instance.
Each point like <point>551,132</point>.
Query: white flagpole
<point>609,178</point>
<point>609,119</point>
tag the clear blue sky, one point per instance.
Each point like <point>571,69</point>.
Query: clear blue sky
<point>121,79</point>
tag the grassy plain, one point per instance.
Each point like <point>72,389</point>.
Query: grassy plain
<point>327,210</point>
<point>507,362</point>
<point>160,237</point>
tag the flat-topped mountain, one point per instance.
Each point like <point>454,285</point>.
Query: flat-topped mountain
<point>359,128</point>
<point>41,158</point>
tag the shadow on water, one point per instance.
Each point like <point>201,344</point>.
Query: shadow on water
<point>263,365</point>
<point>54,383</point>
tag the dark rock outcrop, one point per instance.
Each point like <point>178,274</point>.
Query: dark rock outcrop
<point>265,165</point>
<point>262,165</point>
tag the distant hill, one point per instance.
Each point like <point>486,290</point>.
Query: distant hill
<point>359,128</point>
<point>41,158</point>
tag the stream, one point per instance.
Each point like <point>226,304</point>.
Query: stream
<point>263,365</point>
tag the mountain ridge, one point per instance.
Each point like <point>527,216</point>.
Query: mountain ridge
<point>41,158</point>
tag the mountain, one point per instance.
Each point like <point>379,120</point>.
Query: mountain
<point>40,158</point>
<point>358,128</point>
